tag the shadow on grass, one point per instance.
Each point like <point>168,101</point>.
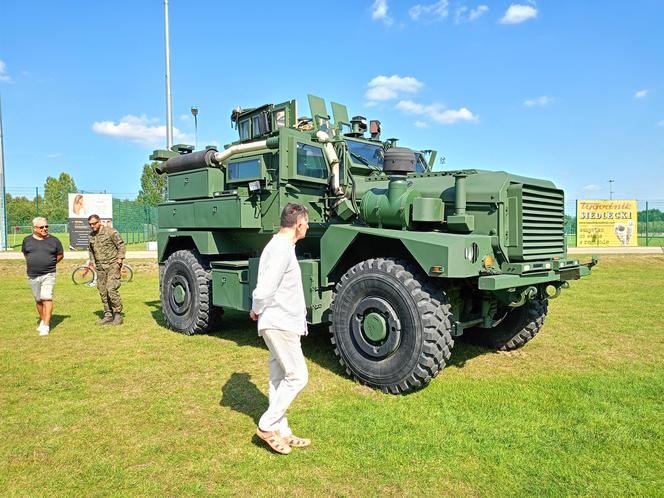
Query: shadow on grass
<point>156,312</point>
<point>57,320</point>
<point>242,395</point>
<point>237,327</point>
<point>463,351</point>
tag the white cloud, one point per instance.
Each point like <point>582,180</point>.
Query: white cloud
<point>391,87</point>
<point>421,124</point>
<point>432,12</point>
<point>592,188</point>
<point>539,101</point>
<point>478,12</point>
<point>436,112</point>
<point>54,155</point>
<point>660,123</point>
<point>517,13</point>
<point>641,93</point>
<point>463,14</point>
<point>379,12</point>
<point>4,77</point>
<point>460,14</point>
<point>139,129</point>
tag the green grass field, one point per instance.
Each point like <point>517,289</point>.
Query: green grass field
<point>137,410</point>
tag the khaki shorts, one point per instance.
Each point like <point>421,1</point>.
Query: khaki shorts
<point>42,287</point>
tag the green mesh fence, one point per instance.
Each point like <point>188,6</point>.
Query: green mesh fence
<point>136,222</point>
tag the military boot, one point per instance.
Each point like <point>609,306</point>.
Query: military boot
<point>117,319</point>
<point>106,320</point>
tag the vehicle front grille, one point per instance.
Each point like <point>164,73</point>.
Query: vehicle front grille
<point>543,218</point>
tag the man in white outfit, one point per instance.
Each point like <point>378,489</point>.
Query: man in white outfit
<point>279,307</point>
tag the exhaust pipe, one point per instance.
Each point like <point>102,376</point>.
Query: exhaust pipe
<point>332,158</point>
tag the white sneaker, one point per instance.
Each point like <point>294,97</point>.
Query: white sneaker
<point>44,329</point>
<point>41,324</point>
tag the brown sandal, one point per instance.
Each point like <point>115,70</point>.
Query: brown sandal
<point>297,442</point>
<point>274,441</point>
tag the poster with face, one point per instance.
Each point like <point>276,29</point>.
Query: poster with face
<point>83,205</point>
<point>80,207</point>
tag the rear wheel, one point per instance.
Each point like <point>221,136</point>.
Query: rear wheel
<point>186,293</point>
<point>519,326</point>
<point>83,275</point>
<point>126,274</point>
<point>390,330</point>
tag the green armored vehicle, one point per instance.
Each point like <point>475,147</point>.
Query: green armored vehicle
<point>399,259</point>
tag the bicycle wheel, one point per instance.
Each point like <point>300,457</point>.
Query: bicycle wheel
<point>126,274</point>
<point>83,275</point>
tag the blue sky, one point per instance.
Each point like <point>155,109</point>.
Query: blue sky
<point>568,90</point>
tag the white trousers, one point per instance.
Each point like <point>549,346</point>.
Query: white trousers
<point>288,376</point>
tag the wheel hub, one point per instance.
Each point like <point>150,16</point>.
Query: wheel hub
<point>376,328</point>
<point>180,295</point>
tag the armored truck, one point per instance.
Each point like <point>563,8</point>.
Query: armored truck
<point>399,259</point>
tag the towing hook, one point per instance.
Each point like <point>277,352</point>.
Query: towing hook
<point>526,294</point>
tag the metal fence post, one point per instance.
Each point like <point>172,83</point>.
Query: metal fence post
<point>647,242</point>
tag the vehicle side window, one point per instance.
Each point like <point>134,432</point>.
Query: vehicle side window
<point>244,129</point>
<point>311,162</point>
<point>244,169</point>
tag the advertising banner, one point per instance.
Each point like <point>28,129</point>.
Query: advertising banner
<point>80,207</point>
<point>606,223</point>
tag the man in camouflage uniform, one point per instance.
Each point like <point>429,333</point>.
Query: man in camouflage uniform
<point>107,250</point>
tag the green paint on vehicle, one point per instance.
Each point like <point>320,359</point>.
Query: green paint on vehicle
<point>483,250</point>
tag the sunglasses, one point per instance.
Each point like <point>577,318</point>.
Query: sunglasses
<point>43,226</point>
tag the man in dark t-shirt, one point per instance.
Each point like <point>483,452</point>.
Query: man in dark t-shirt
<point>42,252</point>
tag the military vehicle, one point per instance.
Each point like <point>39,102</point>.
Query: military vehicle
<point>399,259</point>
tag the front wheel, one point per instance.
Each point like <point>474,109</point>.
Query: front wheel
<point>390,329</point>
<point>83,275</point>
<point>519,326</point>
<point>126,274</point>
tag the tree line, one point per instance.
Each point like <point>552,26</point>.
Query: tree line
<point>53,204</point>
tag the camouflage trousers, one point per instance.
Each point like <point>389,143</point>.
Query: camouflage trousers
<point>108,283</point>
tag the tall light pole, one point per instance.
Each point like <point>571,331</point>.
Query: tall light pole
<point>611,189</point>
<point>194,112</point>
<point>169,110</point>
<point>4,245</point>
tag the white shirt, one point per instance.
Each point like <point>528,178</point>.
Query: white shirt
<point>278,298</point>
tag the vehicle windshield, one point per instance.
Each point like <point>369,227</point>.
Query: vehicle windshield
<point>367,154</point>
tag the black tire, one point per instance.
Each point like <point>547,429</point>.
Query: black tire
<point>126,274</point>
<point>414,338</point>
<point>83,275</point>
<point>519,327</point>
<point>186,293</point>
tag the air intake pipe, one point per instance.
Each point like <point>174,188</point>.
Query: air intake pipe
<point>391,207</point>
<point>460,221</point>
<point>332,158</point>
<point>211,157</point>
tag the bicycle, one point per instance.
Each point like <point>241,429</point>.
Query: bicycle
<point>87,275</point>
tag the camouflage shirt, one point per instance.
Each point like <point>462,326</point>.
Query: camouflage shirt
<point>106,245</point>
